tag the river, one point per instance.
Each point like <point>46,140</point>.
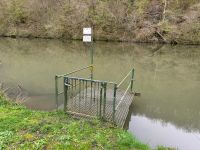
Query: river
<point>168,78</point>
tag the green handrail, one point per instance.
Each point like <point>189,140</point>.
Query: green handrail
<point>132,78</point>
<point>57,93</point>
<point>84,68</point>
<point>122,98</point>
<point>130,86</point>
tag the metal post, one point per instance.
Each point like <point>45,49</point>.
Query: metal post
<point>79,98</point>
<point>92,59</point>
<point>132,78</point>
<point>104,99</point>
<point>65,93</point>
<point>87,38</point>
<point>100,108</point>
<point>114,101</point>
<point>56,91</point>
<point>91,90</point>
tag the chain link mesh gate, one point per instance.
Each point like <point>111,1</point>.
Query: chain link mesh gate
<point>89,97</point>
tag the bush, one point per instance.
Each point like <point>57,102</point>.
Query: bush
<point>17,12</point>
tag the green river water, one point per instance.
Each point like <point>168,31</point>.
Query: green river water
<point>168,78</point>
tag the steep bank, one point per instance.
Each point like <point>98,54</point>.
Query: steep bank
<point>165,21</point>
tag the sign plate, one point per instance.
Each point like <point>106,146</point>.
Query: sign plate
<point>87,38</point>
<point>87,31</point>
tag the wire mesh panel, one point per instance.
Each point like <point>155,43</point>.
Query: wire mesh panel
<point>84,96</point>
<point>96,98</point>
<point>117,104</point>
<point>123,102</point>
<point>109,102</point>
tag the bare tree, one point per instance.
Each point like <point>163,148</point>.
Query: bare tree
<point>164,10</point>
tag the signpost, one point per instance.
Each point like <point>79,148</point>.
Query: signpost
<point>87,38</point>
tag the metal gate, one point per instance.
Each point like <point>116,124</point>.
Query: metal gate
<point>89,97</point>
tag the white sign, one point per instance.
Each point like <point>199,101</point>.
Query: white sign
<point>87,31</point>
<point>87,38</point>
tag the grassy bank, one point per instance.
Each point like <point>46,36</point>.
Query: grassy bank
<point>21,128</point>
<point>165,21</point>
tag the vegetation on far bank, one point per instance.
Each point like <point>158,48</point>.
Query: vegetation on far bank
<point>21,128</point>
<point>164,21</point>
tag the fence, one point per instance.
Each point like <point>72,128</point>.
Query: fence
<point>95,98</point>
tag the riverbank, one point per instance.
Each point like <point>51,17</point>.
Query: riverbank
<point>155,21</point>
<point>22,128</point>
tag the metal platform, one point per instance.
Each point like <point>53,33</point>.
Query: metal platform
<point>83,103</point>
<point>95,98</point>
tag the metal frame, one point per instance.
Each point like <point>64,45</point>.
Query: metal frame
<point>130,86</point>
<point>93,91</point>
<point>102,85</point>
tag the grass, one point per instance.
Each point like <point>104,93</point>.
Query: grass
<point>22,128</point>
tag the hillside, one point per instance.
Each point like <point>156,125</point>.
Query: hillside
<point>163,21</point>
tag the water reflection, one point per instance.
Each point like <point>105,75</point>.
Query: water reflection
<point>167,76</point>
<point>170,87</point>
<point>156,131</point>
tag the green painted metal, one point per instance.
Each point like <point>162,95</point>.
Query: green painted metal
<point>101,92</point>
<point>104,99</point>
<point>123,96</point>
<point>83,93</point>
<point>90,92</point>
<point>56,91</point>
<point>78,70</point>
<point>114,101</point>
<point>58,77</point>
<point>99,81</point>
<point>97,91</point>
<point>79,97</point>
<point>124,79</point>
<point>65,94</point>
<point>92,61</point>
<point>132,79</point>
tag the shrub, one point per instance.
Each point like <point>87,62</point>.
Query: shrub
<point>17,12</point>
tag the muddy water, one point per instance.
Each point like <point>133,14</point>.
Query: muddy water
<point>168,111</point>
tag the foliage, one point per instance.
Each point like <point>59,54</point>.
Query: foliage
<point>112,20</point>
<point>165,148</point>
<point>182,4</point>
<point>141,6</point>
<point>16,12</point>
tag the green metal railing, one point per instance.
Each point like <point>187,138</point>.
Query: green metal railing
<point>59,77</point>
<point>89,97</point>
<point>129,87</point>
